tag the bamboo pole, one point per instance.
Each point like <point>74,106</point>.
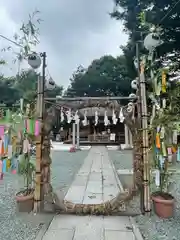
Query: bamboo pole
<point>38,193</point>
<point>145,143</point>
<point>138,153</point>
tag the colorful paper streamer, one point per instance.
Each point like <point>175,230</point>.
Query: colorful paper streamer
<point>30,126</point>
<point>178,154</point>
<point>4,166</point>
<point>1,131</point>
<point>164,151</point>
<point>37,128</point>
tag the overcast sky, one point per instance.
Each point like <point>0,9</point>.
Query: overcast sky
<point>73,32</point>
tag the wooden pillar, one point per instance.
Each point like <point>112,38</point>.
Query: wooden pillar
<point>130,138</point>
<point>77,136</point>
<point>74,134</point>
<point>69,137</point>
<point>126,135</point>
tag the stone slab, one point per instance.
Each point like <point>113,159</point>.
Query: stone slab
<point>98,177</point>
<point>88,231</point>
<point>91,198</point>
<point>117,223</point>
<point>71,227</point>
<point>115,235</point>
<point>75,194</point>
<point>67,222</point>
<point>64,234</point>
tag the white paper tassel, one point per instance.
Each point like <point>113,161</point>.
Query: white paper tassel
<point>96,118</point>
<point>175,133</point>
<point>27,109</point>
<point>62,115</point>
<point>114,119</point>
<point>153,114</point>
<point>76,117</point>
<point>162,133</point>
<point>164,103</point>
<point>157,178</point>
<point>10,151</point>
<point>26,146</point>
<point>106,120</point>
<point>121,116</point>
<point>85,122</point>
<point>69,116</point>
<point>130,107</point>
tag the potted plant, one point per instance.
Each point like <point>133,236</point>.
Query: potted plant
<point>162,200</point>
<point>25,197</point>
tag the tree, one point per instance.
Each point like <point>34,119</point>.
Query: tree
<point>8,93</point>
<point>105,76</point>
<point>158,13</point>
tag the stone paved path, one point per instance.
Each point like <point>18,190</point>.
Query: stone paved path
<point>67,227</point>
<point>96,181</point>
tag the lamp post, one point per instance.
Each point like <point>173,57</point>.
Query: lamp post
<point>34,61</point>
<point>151,41</point>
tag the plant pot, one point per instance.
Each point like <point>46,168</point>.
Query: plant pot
<point>25,203</point>
<point>163,204</point>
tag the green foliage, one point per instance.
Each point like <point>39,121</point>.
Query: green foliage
<point>107,76</point>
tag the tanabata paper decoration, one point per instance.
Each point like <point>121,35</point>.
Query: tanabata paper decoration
<point>6,143</point>
<point>157,178</point>
<point>1,166</point>
<point>10,151</point>
<point>178,154</point>
<point>37,128</point>
<point>1,131</point>
<point>25,123</point>
<point>8,164</point>
<point>174,150</point>
<point>1,148</point>
<point>1,176</point>
<point>162,133</point>
<point>169,150</point>
<point>164,83</point>
<point>175,133</point>
<point>30,126</point>
<point>164,103</point>
<point>4,166</point>
<point>161,160</point>
<point>14,165</point>
<point>164,151</point>
<point>8,115</point>
<point>26,147</point>
<point>158,144</point>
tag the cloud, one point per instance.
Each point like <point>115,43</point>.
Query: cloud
<point>73,32</point>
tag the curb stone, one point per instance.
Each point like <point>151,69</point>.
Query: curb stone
<point>136,230</point>
<point>43,230</point>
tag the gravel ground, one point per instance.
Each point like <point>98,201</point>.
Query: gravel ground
<point>152,228</point>
<point>14,227</point>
